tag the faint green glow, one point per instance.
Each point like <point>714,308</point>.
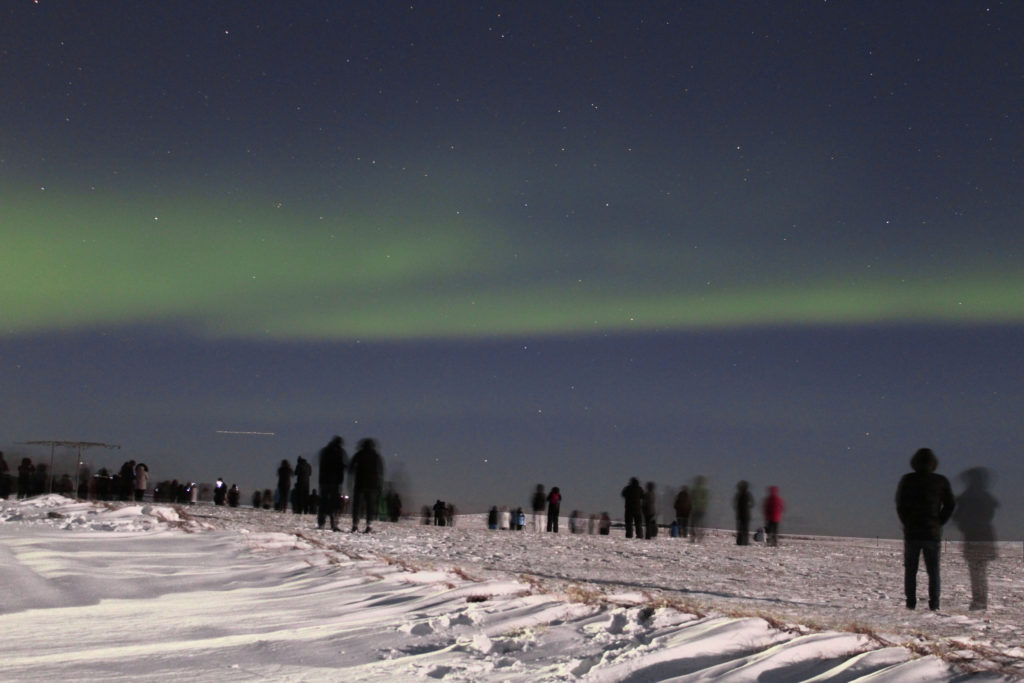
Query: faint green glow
<point>266,271</point>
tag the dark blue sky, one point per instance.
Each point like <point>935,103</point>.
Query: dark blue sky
<point>565,243</point>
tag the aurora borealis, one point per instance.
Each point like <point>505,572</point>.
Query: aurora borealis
<point>587,225</point>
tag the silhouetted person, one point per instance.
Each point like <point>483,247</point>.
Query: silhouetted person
<point>554,505</point>
<point>26,471</point>
<point>605,524</point>
<point>773,509</point>
<point>924,502</point>
<point>682,507</point>
<point>41,482</point>
<point>394,505</point>
<point>699,499</point>
<point>220,492</point>
<point>743,501</point>
<point>633,513</point>
<point>141,480</point>
<point>5,478</point>
<point>284,485</point>
<point>975,510</point>
<point>492,518</point>
<point>126,477</point>
<point>331,473</point>
<point>367,467</point>
<point>538,502</point>
<point>303,472</point>
<point>650,511</point>
<point>440,513</point>
<point>234,494</point>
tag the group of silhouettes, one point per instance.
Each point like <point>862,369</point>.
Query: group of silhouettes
<point>367,471</point>
<point>924,504</point>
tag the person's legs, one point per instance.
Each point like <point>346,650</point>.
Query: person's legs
<point>911,557</point>
<point>370,498</point>
<point>931,564</point>
<point>357,502</point>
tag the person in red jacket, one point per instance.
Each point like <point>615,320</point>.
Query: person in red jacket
<point>773,508</point>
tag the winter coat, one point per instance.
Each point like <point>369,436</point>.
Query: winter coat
<point>634,495</point>
<point>367,467</point>
<point>773,506</point>
<point>743,502</point>
<point>682,504</point>
<point>284,475</point>
<point>650,503</point>
<point>141,477</point>
<point>303,471</point>
<point>331,468</point>
<point>924,500</point>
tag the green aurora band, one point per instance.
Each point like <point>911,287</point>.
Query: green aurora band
<point>237,271</point>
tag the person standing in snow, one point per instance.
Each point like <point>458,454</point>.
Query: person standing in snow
<point>303,472</point>
<point>699,498</point>
<point>440,512</point>
<point>367,467</point>
<point>126,480</point>
<point>682,508</point>
<point>554,505</point>
<point>284,485</point>
<point>633,494</point>
<point>141,480</point>
<point>25,472</point>
<point>742,502</point>
<point>220,491</point>
<point>924,503</point>
<point>539,499</point>
<point>773,509</point>
<point>5,478</point>
<point>650,511</point>
<point>331,473</point>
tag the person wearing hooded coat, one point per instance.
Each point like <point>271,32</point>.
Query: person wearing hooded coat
<point>284,485</point>
<point>303,472</point>
<point>141,480</point>
<point>367,467</point>
<point>650,511</point>
<point>924,503</point>
<point>331,473</point>
<point>743,501</point>
<point>682,507</point>
<point>633,494</point>
<point>554,505</point>
<point>538,501</point>
<point>773,509</point>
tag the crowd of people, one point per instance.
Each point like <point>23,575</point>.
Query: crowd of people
<point>924,504</point>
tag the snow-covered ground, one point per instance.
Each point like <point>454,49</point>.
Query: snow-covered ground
<point>134,592</point>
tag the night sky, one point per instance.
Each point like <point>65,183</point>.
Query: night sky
<point>534,242</point>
